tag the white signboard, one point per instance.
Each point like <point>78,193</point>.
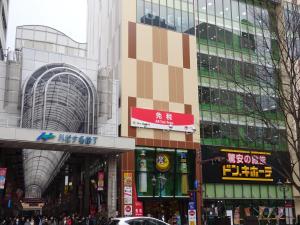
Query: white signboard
<point>128,195</point>
<point>229,214</point>
<point>192,217</point>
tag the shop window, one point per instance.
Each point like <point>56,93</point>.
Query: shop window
<point>164,172</point>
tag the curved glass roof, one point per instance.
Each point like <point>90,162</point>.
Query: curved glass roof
<point>56,97</point>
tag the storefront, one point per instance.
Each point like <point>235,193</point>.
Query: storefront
<point>246,185</point>
<point>164,179</point>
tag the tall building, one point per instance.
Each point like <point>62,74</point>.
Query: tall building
<point>150,47</point>
<point>236,52</point>
<point>156,49</point>
<point>3,25</point>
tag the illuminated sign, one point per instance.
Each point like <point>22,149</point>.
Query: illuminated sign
<point>246,165</point>
<point>243,166</point>
<point>68,138</point>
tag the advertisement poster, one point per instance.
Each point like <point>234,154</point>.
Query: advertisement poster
<point>127,193</point>
<point>243,166</point>
<point>2,177</point>
<point>154,119</point>
<point>100,181</point>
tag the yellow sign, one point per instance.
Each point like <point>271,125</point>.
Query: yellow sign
<point>245,172</point>
<point>162,162</point>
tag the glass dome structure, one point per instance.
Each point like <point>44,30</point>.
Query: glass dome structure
<point>56,97</point>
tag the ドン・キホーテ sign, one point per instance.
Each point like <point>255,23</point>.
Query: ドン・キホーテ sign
<point>154,119</point>
<point>243,166</point>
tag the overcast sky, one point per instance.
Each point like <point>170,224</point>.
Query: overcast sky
<point>67,16</point>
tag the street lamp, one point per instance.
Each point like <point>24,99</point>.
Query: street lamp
<point>284,187</point>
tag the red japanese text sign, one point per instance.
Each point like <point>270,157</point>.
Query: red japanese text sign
<point>154,119</point>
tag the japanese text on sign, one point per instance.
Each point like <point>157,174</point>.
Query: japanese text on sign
<point>74,139</point>
<point>246,165</point>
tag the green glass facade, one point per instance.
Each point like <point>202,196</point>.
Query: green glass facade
<point>234,51</point>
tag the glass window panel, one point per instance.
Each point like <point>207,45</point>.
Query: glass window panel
<point>171,15</point>
<point>243,12</point>
<point>185,22</point>
<point>140,11</point>
<point>255,191</point>
<point>227,9</point>
<point>235,12</point>
<point>219,8</point>
<point>264,192</point>
<point>211,7</point>
<point>202,7</point>
<point>220,191</point>
<point>246,191</point>
<point>209,191</point>
<point>163,14</point>
<point>155,9</point>
<point>178,20</point>
<point>148,13</point>
<point>229,191</point>
<point>238,191</point>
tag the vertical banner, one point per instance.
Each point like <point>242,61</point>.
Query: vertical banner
<point>192,215</point>
<point>127,193</point>
<point>2,177</point>
<point>138,206</point>
<point>100,186</point>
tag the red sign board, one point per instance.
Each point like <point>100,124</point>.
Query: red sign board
<point>138,207</point>
<point>154,119</point>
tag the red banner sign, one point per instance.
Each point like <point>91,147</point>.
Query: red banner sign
<point>154,119</point>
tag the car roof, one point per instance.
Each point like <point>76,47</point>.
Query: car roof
<point>136,217</point>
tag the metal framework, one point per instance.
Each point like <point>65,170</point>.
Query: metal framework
<point>55,97</point>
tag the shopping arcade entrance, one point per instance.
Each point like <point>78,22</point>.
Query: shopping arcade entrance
<point>63,141</point>
<point>100,149</point>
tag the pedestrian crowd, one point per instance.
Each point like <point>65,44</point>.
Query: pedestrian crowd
<point>63,220</point>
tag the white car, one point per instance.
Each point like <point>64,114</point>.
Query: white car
<point>136,221</point>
